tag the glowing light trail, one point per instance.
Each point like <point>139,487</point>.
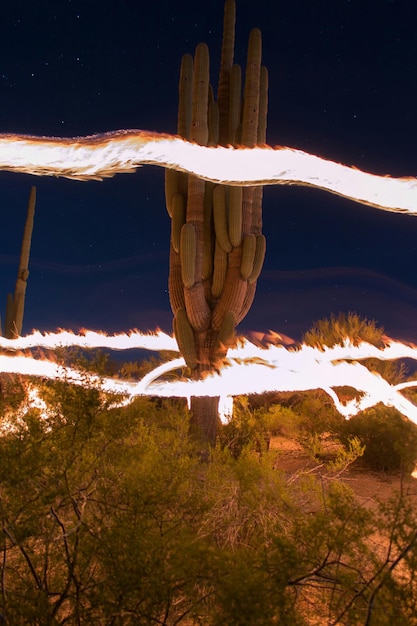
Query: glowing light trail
<point>99,156</point>
<point>28,366</point>
<point>249,369</point>
<point>90,339</point>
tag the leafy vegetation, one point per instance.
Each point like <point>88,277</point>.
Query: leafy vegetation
<point>109,517</point>
<point>390,439</point>
<point>336,329</point>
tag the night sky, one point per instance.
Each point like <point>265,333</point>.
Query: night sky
<point>342,85</point>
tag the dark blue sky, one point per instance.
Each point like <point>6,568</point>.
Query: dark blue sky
<point>342,85</point>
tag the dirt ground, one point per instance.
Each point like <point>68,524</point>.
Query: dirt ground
<point>368,486</point>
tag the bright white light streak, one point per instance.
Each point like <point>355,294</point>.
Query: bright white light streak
<point>99,156</point>
<point>157,341</point>
<point>28,366</point>
<point>249,378</point>
<point>249,369</point>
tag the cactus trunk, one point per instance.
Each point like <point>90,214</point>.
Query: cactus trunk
<point>205,418</point>
<point>16,304</point>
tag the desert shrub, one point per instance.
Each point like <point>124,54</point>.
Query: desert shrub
<point>247,428</point>
<point>317,414</point>
<point>281,420</point>
<point>310,418</point>
<point>390,439</point>
<point>336,329</point>
<point>109,517</point>
<point>12,392</point>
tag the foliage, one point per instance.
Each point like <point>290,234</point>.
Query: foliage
<point>281,420</point>
<point>317,414</point>
<point>247,428</point>
<point>390,439</point>
<point>393,372</point>
<point>309,418</point>
<point>109,517</point>
<point>338,328</point>
<point>12,392</point>
<point>138,369</point>
<point>92,361</point>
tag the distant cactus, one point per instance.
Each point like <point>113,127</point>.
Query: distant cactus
<point>217,248</point>
<point>16,303</point>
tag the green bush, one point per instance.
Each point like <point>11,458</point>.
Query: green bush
<point>317,414</point>
<point>335,330</point>
<point>281,420</point>
<point>390,439</point>
<point>247,428</point>
<point>110,517</point>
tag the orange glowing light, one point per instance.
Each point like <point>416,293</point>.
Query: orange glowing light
<point>98,156</point>
<point>249,369</point>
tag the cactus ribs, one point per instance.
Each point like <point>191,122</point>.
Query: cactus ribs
<point>217,245</point>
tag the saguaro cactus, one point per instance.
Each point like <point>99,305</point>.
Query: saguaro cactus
<point>217,247</point>
<point>16,304</point>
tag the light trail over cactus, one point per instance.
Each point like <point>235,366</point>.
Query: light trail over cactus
<point>99,156</point>
<point>215,169</point>
<point>216,230</point>
<point>249,369</point>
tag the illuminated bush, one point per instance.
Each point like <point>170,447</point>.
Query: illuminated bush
<point>390,438</point>
<point>247,428</point>
<point>109,517</point>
